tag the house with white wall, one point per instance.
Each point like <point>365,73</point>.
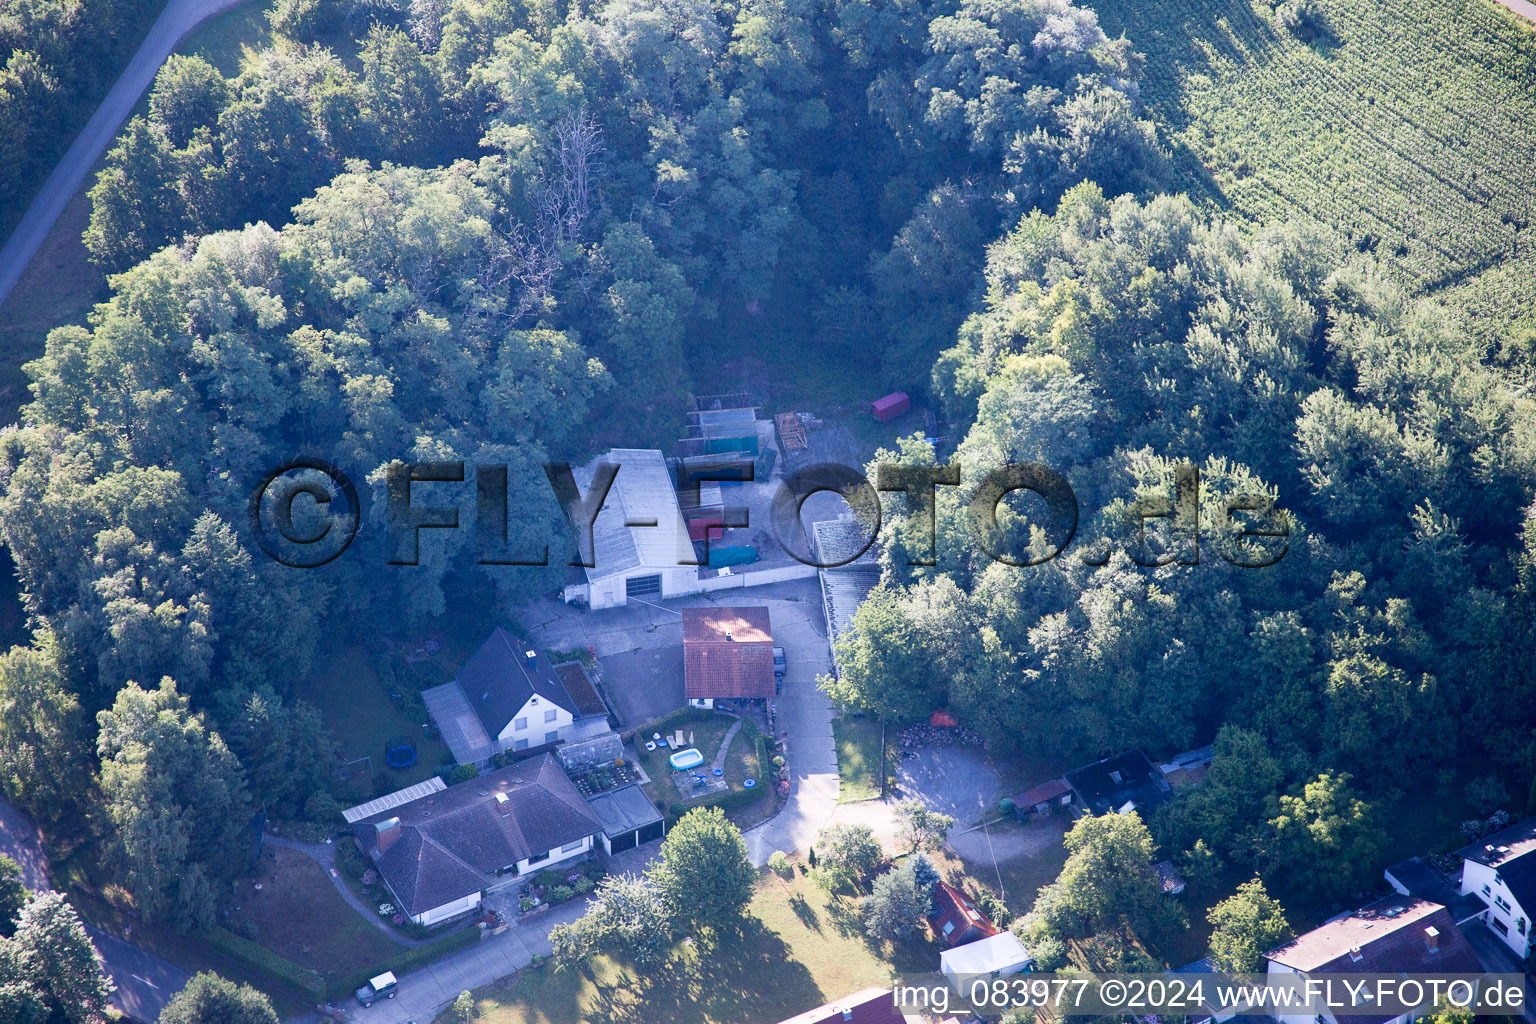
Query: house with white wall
<point>1500,870</point>
<point>1396,935</point>
<point>440,852</point>
<point>506,697</point>
<point>640,544</point>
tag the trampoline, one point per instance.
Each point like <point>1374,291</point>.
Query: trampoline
<point>400,752</point>
<point>685,759</point>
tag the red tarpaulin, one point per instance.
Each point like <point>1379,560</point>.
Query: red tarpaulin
<point>891,405</point>
<point>943,718</point>
<point>711,525</point>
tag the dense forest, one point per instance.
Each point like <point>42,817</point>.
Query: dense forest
<point>489,231</point>
<point>59,60</point>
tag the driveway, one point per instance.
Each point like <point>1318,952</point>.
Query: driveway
<point>805,715</point>
<point>1498,958</point>
<point>178,18</point>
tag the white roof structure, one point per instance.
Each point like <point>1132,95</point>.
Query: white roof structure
<point>642,492</point>
<point>1000,952</point>
<point>395,799</point>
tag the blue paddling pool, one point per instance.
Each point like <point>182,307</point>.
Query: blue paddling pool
<point>685,759</point>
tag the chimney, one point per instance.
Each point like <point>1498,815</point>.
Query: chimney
<point>1355,955</point>
<point>531,656</point>
<point>847,1013</point>
<point>1432,938</point>
<point>728,635</point>
<point>503,804</point>
<point>1116,776</point>
<point>385,833</point>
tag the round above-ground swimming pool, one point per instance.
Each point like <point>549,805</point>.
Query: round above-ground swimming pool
<point>685,759</point>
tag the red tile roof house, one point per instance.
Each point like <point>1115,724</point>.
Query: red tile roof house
<point>1397,935</point>
<point>727,655</point>
<point>956,919</point>
<point>867,1006</point>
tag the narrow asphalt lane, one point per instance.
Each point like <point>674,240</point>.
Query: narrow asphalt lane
<point>178,18</point>
<point>143,983</point>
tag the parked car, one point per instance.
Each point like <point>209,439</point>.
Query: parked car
<point>778,663</point>
<point>381,987</point>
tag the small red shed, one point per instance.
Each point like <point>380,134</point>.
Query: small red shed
<point>891,406</point>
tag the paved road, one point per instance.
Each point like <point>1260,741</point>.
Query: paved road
<point>1524,8</point>
<point>144,982</point>
<point>178,18</point>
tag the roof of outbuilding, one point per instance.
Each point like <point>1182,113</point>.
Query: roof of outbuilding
<point>642,492</point>
<point>498,680</point>
<point>1041,793</point>
<point>624,810</point>
<point>451,842</point>
<point>995,952</point>
<point>727,652</point>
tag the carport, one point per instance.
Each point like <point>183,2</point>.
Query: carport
<point>628,818</point>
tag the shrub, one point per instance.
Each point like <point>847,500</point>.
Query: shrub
<point>525,904</point>
<point>584,885</point>
<point>561,894</point>
<point>993,906</point>
<point>779,864</point>
<point>322,808</point>
<point>350,860</point>
<point>463,1009</point>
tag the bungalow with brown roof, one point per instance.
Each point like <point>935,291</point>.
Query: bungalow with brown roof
<point>727,655</point>
<point>1397,935</point>
<point>440,852</point>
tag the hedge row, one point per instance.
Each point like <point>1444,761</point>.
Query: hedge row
<point>408,959</point>
<point>265,964</point>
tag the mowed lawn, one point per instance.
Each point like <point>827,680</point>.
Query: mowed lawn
<point>298,914</point>
<point>802,948</point>
<point>702,730</point>
<point>363,717</point>
<point>858,758</point>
